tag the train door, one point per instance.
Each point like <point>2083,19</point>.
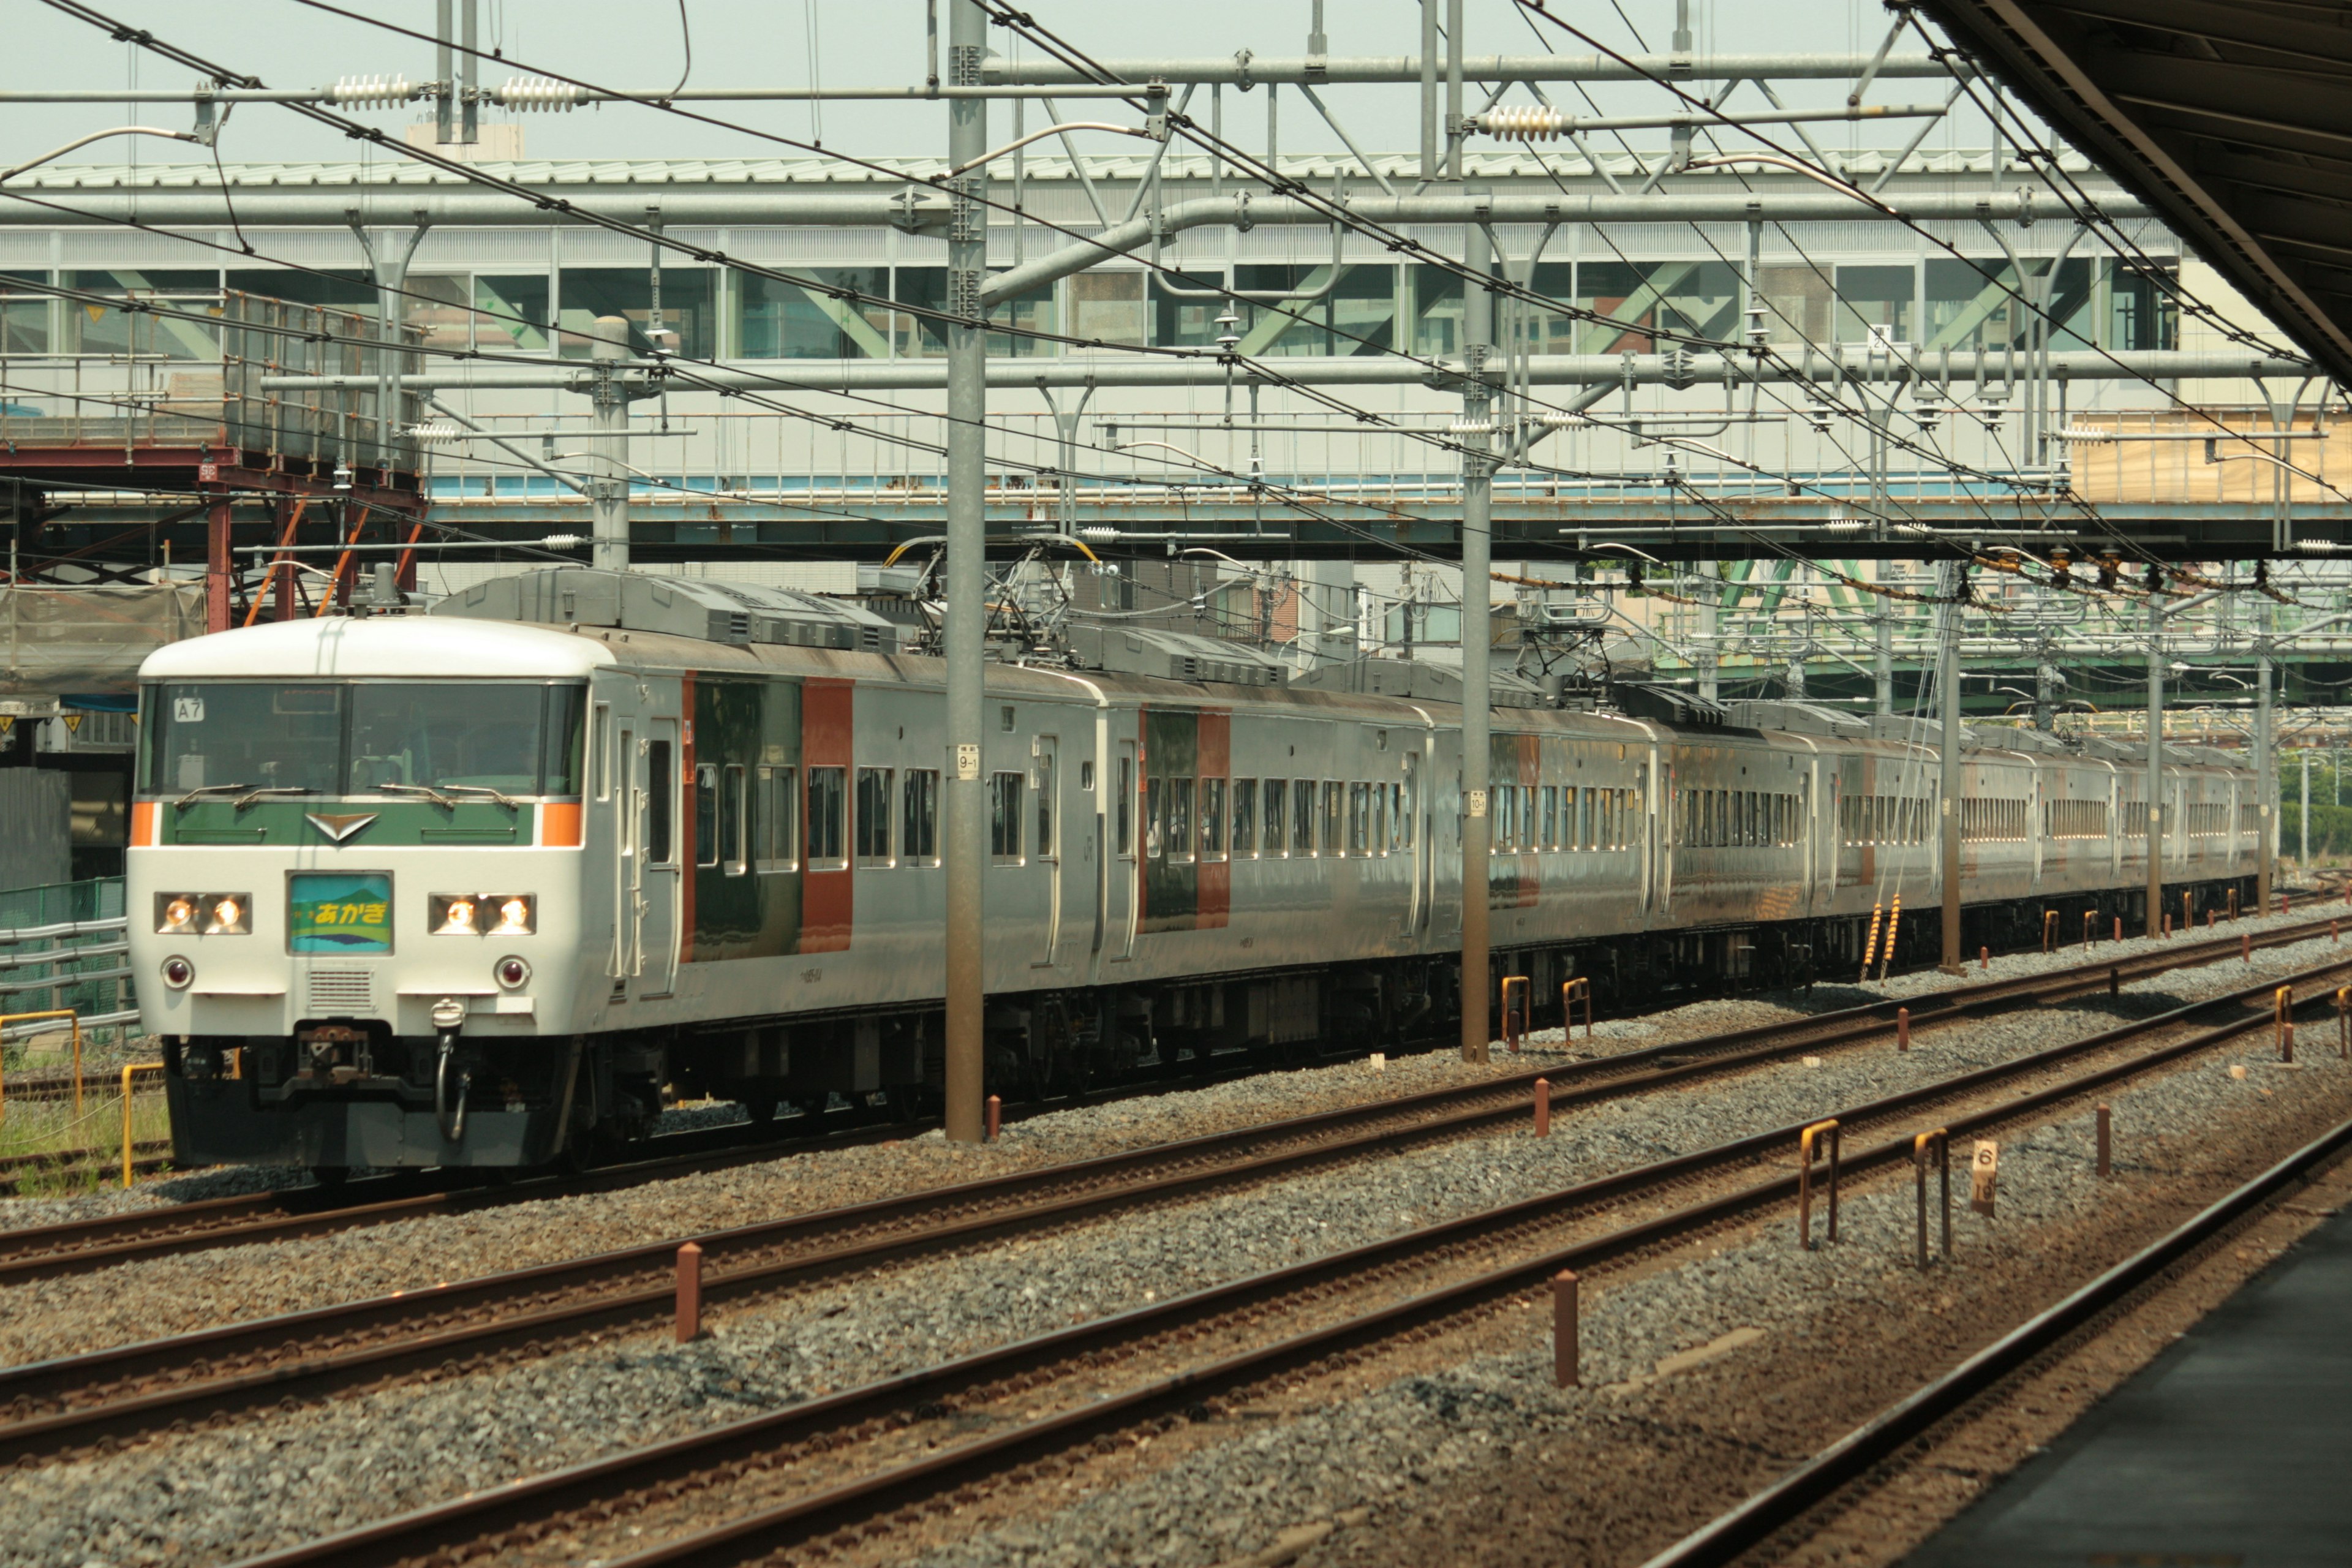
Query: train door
<point>628,864</point>
<point>1048,785</point>
<point>1121,874</point>
<point>1417,845</point>
<point>658,860</point>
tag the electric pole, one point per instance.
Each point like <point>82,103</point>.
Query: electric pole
<point>966,841</point>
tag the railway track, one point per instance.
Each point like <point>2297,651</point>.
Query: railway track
<point>1730,1535</point>
<point>103,1397</point>
<point>77,1246</point>
<point>843,1470</point>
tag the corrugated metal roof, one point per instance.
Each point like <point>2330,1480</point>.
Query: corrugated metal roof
<point>1512,163</point>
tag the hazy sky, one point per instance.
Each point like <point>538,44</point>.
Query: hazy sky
<point>637,44</point>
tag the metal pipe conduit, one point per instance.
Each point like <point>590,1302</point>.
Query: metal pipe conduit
<point>443,203</point>
<point>1700,368</point>
<point>1246,70</point>
<point>1242,211</point>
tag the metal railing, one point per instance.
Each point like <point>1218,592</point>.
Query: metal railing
<point>64,948</point>
<point>176,382</point>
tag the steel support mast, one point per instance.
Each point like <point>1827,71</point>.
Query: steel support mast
<point>2155,754</point>
<point>2265,759</point>
<point>967,570</point>
<point>1947,694</point>
<point>1477,568</point>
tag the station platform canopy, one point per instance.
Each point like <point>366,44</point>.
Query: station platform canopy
<point>2232,118</point>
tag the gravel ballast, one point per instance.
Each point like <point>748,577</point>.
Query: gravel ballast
<point>280,1478</point>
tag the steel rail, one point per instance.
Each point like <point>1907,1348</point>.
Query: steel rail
<point>1853,1456</point>
<point>80,1246</point>
<point>532,1506</point>
<point>109,1395</point>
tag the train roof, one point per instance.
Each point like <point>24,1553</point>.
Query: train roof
<point>375,646</point>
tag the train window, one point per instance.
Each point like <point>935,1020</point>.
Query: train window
<point>599,762</point>
<point>1276,794</point>
<point>1155,807</point>
<point>1213,819</point>
<point>1379,820</point>
<point>1245,819</point>
<point>1048,796</point>
<point>734,785</point>
<point>1181,844</point>
<point>1335,818</point>
<point>1302,816</point>
<point>870,823</point>
<point>777,820</point>
<point>658,804</point>
<point>1400,822</point>
<point>919,834</point>
<point>706,815</point>
<point>1359,819</point>
<point>1123,809</point>
<point>1004,818</point>
<point>1547,818</point>
<point>828,802</point>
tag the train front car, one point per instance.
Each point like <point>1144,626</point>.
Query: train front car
<point>356,893</point>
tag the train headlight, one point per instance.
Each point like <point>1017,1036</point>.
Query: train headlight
<point>203,914</point>
<point>511,972</point>
<point>483,915</point>
<point>230,914</point>
<point>176,914</point>
<point>178,972</point>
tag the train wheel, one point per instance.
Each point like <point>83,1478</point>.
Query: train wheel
<point>330,1176</point>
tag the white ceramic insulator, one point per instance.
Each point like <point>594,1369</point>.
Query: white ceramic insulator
<point>360,92</point>
<point>527,93</point>
<point>1524,122</point>
<point>435,433</point>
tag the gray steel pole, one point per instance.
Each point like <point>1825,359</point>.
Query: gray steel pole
<point>1710,610</point>
<point>1477,537</point>
<point>445,128</point>
<point>1881,664</point>
<point>1428,92</point>
<point>2155,755</point>
<point>966,838</point>
<point>608,491</point>
<point>2303,817</point>
<point>2265,763</point>
<point>1454,137</point>
<point>1947,682</point>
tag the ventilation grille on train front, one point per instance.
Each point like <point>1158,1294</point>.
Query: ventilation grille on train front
<point>342,993</point>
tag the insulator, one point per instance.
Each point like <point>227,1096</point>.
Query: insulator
<point>437,433</point>
<point>1097,534</point>
<point>1524,122</point>
<point>538,92</point>
<point>1471,428</point>
<point>564,542</point>
<point>360,92</point>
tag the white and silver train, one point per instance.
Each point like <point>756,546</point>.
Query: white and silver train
<point>481,887</point>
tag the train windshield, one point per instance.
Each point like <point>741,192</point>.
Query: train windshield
<point>359,737</point>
